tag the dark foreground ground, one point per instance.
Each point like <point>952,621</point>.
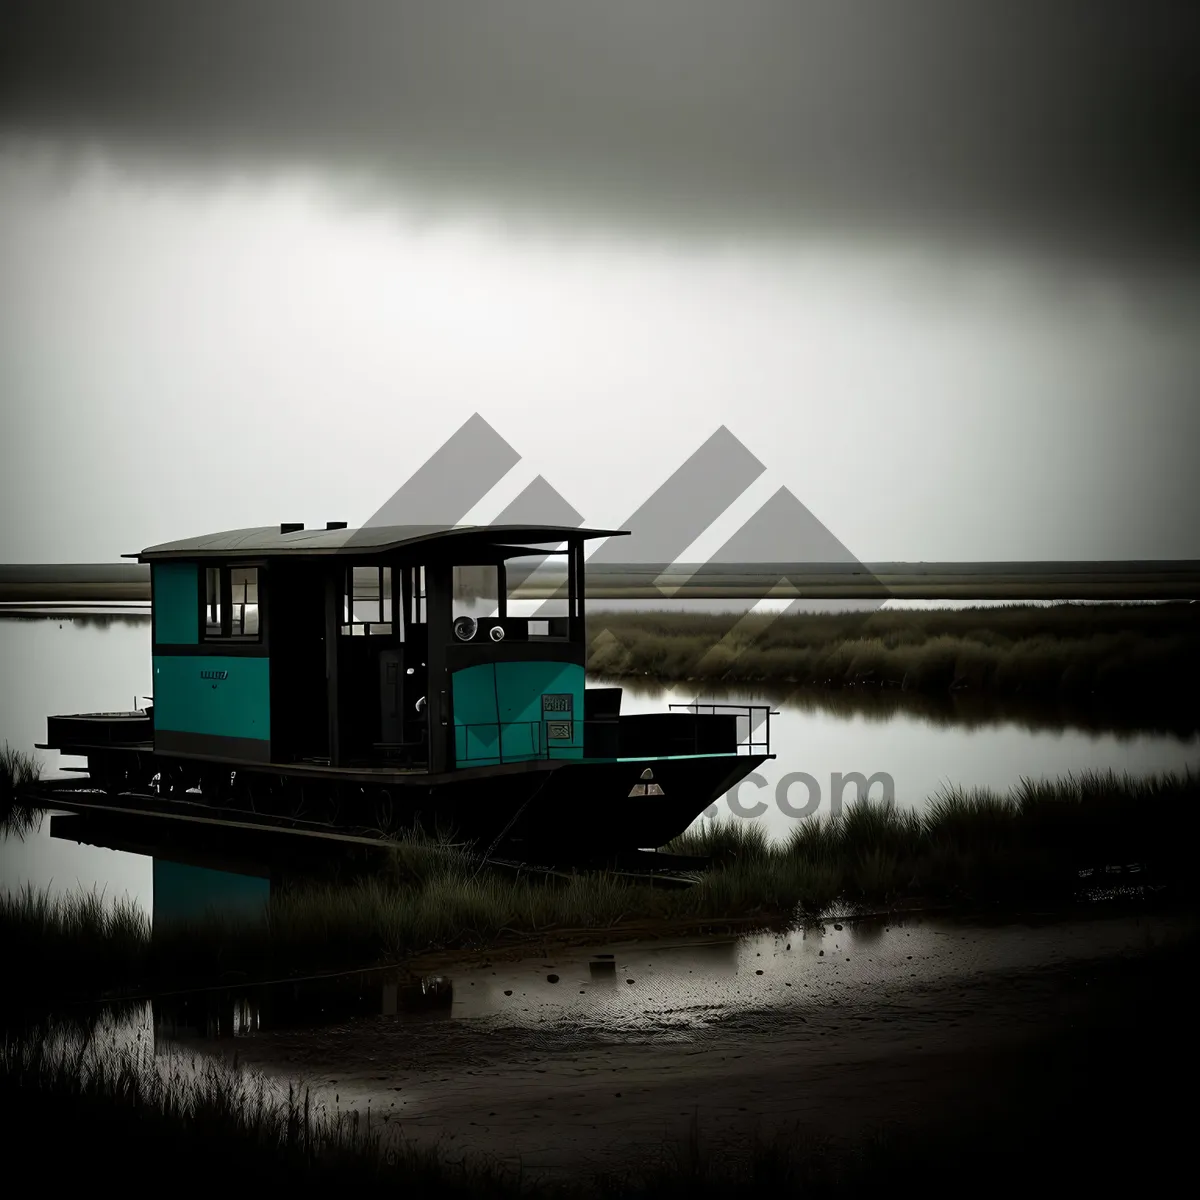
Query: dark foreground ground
<point>949,1033</point>
<point>1074,1074</point>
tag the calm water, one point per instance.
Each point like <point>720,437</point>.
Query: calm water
<point>79,665</point>
<point>64,666</point>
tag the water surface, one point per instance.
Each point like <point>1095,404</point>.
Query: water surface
<point>70,663</point>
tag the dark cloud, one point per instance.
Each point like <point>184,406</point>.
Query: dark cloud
<point>1048,125</point>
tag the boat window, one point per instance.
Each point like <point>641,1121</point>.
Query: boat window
<point>476,592</point>
<point>538,587</point>
<point>212,602</point>
<point>417,614</point>
<point>367,601</point>
<point>231,604</point>
<point>243,602</point>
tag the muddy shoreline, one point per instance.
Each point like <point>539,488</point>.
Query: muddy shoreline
<point>543,1076</point>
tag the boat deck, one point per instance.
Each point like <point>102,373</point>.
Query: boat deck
<point>308,769</point>
<point>151,809</point>
<point>382,772</point>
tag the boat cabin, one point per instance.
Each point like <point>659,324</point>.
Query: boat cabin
<point>369,647</point>
<point>393,677</point>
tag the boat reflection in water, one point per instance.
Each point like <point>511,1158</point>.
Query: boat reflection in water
<point>187,892</point>
<point>184,891</point>
<point>220,1014</point>
<point>191,885</point>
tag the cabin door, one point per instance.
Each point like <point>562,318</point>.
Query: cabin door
<point>299,685</point>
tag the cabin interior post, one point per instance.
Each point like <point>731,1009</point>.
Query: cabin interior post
<point>580,576</point>
<point>575,591</point>
<point>333,600</point>
<point>439,595</point>
<point>405,600</point>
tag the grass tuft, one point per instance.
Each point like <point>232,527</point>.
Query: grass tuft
<point>18,770</point>
<point>724,841</point>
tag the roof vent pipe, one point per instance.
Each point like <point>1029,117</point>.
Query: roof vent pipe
<point>291,526</point>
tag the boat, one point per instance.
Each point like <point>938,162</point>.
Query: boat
<point>376,677</point>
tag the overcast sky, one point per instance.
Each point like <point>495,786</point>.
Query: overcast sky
<point>935,264</point>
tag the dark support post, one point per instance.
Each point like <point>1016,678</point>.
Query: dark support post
<point>264,606</point>
<point>572,590</point>
<point>579,583</point>
<point>226,578</point>
<point>406,600</point>
<point>439,589</point>
<point>576,628</point>
<point>502,589</point>
<point>332,633</point>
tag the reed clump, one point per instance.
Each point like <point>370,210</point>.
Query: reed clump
<point>1035,842</point>
<point>19,770</point>
<point>724,842</point>
<point>102,941</point>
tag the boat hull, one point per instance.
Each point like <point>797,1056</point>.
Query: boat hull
<point>544,808</point>
<point>588,805</point>
<point>578,807</point>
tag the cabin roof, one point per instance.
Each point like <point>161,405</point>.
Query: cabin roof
<point>266,541</point>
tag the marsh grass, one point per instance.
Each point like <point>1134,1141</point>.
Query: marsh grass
<point>1069,650</point>
<point>1033,843</point>
<point>723,841</point>
<point>454,911</point>
<point>970,847</point>
<point>74,921</point>
<point>79,944</point>
<point>224,1123</point>
<point>18,770</point>
<point>417,856</point>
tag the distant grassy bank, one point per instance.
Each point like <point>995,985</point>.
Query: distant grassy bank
<point>1162,711</point>
<point>1073,650</point>
<point>969,848</point>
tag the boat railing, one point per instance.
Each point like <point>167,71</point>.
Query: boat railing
<point>756,717</point>
<point>480,743</point>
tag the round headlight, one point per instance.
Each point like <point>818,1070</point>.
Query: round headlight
<point>496,633</point>
<point>464,628</point>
